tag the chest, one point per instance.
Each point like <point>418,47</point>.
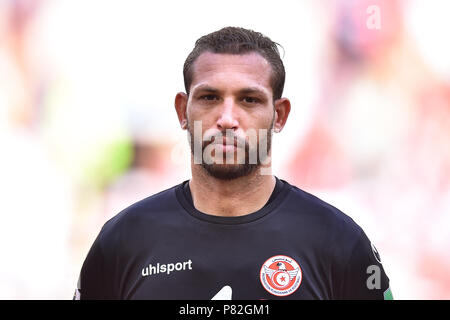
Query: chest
<point>227,265</point>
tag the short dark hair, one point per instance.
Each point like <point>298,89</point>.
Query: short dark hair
<point>233,40</point>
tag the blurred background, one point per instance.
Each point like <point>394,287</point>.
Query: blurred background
<point>87,123</point>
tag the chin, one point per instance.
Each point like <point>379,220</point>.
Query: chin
<point>229,171</point>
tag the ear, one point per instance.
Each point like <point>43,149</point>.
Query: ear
<point>181,106</point>
<point>282,109</point>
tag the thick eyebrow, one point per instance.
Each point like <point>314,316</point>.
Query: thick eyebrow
<point>205,88</point>
<point>243,91</point>
<point>252,90</point>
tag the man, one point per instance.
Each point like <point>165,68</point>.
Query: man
<point>233,231</point>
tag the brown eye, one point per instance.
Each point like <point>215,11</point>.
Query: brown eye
<point>209,97</point>
<point>251,100</point>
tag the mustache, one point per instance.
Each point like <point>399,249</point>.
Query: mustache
<point>223,137</point>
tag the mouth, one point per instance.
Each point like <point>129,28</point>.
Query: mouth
<point>228,143</point>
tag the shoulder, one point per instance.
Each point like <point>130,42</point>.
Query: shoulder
<point>326,229</point>
<point>311,208</point>
<point>335,236</point>
<point>143,214</point>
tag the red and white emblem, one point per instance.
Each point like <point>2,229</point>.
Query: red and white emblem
<point>280,275</point>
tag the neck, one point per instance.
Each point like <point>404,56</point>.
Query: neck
<point>234,197</point>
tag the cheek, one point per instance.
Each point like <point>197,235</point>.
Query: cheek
<point>264,128</point>
<point>264,120</point>
<point>199,126</point>
<point>197,114</point>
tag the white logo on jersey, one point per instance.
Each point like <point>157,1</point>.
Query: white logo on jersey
<point>166,268</point>
<point>224,294</point>
<point>375,252</point>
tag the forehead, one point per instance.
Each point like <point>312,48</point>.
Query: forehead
<point>217,69</point>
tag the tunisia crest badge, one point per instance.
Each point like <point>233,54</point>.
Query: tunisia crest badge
<point>280,275</point>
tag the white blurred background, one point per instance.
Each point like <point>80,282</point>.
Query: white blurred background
<point>87,124</point>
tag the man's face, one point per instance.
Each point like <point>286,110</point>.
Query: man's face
<point>232,101</point>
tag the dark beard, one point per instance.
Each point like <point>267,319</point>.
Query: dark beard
<point>229,171</point>
<point>235,170</point>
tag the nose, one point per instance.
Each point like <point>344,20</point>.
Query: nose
<point>228,118</point>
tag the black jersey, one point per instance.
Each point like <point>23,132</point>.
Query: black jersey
<point>295,247</point>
